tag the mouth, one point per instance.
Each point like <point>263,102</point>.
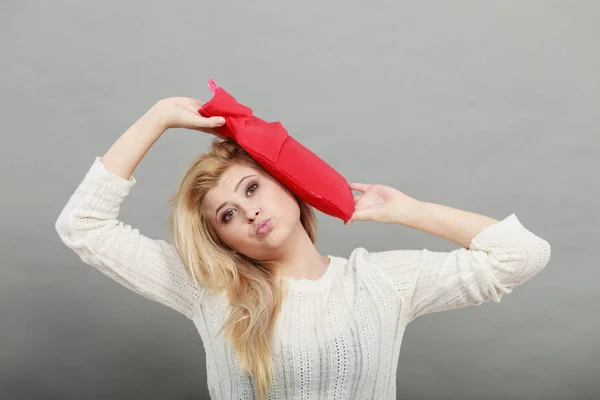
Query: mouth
<point>264,227</point>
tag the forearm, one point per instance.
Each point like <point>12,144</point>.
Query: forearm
<point>455,225</point>
<point>128,150</point>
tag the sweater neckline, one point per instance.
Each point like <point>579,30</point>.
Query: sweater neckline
<point>314,285</point>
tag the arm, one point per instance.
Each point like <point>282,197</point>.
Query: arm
<point>385,204</point>
<point>500,257</point>
<point>452,224</point>
<point>126,153</point>
<point>89,224</point>
<point>495,257</point>
<point>173,112</point>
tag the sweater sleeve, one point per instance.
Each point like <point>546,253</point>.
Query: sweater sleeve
<point>501,257</point>
<point>89,225</point>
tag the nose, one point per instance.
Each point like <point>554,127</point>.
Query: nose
<point>252,214</point>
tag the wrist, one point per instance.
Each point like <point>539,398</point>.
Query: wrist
<point>453,224</point>
<point>408,213</point>
<point>155,118</point>
<point>417,215</point>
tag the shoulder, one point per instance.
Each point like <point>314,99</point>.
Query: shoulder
<point>365,266</point>
<point>361,257</point>
<point>357,257</point>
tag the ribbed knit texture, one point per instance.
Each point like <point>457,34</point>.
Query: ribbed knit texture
<point>337,337</point>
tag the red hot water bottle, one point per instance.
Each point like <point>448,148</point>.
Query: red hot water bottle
<point>295,166</point>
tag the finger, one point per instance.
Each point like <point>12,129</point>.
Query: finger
<point>356,216</point>
<point>359,186</point>
<point>356,197</point>
<point>210,122</point>
<point>216,121</point>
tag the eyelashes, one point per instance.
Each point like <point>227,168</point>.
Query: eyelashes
<point>250,189</point>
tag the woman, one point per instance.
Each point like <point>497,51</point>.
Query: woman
<point>276,317</point>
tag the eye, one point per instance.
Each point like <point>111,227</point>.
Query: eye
<point>226,216</point>
<point>252,187</point>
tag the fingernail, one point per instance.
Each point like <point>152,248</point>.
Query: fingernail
<point>220,121</point>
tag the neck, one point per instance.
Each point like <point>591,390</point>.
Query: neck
<point>301,259</point>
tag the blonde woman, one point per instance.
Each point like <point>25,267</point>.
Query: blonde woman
<point>278,319</point>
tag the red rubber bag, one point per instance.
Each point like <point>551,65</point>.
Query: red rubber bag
<point>296,167</point>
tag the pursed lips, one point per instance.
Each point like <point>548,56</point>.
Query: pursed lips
<point>261,224</point>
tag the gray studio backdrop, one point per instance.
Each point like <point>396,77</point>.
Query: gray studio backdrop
<point>486,106</point>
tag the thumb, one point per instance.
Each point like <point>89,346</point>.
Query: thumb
<point>211,122</point>
<point>200,121</point>
<point>356,216</point>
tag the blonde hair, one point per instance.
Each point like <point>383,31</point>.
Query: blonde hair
<point>254,289</point>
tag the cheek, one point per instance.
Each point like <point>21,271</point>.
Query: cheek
<point>286,205</point>
<point>233,237</point>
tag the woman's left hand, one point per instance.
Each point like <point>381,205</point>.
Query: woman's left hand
<point>381,203</point>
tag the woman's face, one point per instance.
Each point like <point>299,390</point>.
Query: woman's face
<point>252,212</point>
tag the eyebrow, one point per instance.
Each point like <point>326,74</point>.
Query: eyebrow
<point>234,190</point>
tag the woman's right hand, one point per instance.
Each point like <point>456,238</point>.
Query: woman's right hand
<point>182,112</point>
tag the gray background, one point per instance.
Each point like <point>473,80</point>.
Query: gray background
<point>486,106</point>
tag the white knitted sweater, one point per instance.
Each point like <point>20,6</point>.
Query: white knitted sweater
<point>337,337</point>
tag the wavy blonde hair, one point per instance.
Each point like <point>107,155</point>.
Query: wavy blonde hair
<point>254,289</point>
